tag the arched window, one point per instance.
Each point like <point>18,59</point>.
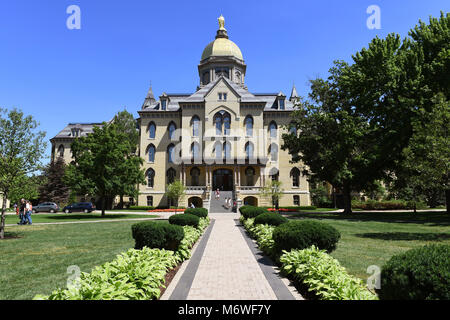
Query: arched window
<point>274,173</point>
<point>248,122</point>
<point>171,174</point>
<point>250,174</point>
<point>273,130</point>
<point>61,151</point>
<point>172,128</point>
<point>273,151</point>
<point>151,153</point>
<point>227,150</point>
<point>249,149</point>
<point>195,176</point>
<point>150,178</point>
<point>195,151</point>
<point>152,130</point>
<point>222,122</point>
<point>170,153</point>
<point>218,151</point>
<point>195,123</point>
<point>295,174</point>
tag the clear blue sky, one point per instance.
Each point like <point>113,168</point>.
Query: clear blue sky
<point>60,75</point>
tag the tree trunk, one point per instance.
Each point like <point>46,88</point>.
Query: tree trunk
<point>2,225</point>
<point>347,199</point>
<point>447,200</point>
<point>103,205</point>
<point>121,202</point>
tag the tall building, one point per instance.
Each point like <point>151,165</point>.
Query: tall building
<point>220,137</point>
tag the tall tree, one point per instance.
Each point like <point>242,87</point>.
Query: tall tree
<point>104,164</point>
<point>356,123</point>
<point>27,189</point>
<point>126,122</point>
<point>273,190</point>
<point>53,187</point>
<point>21,150</point>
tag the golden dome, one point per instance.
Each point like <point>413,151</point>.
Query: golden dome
<point>222,47</point>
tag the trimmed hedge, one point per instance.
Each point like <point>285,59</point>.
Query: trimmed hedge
<point>199,212</point>
<point>272,219</point>
<point>184,220</point>
<point>155,234</point>
<point>387,205</point>
<point>143,208</point>
<point>296,208</point>
<point>251,212</point>
<point>418,274</point>
<point>304,234</point>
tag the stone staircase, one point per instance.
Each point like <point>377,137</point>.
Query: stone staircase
<point>218,206</point>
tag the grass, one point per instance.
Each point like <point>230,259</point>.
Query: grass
<point>37,261</point>
<point>373,238</point>
<point>73,217</point>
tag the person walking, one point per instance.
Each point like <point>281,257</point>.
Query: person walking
<point>22,211</point>
<point>29,208</point>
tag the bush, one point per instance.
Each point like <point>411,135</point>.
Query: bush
<point>251,212</point>
<point>184,220</point>
<point>417,274</point>
<point>272,219</point>
<point>387,205</point>
<point>199,212</point>
<point>323,275</point>
<point>154,234</point>
<point>304,234</point>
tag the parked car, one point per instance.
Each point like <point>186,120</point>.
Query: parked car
<point>79,207</point>
<point>46,207</point>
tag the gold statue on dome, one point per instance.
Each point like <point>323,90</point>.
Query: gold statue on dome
<point>221,23</point>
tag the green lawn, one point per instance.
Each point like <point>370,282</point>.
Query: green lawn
<point>71,217</point>
<point>38,261</point>
<point>372,238</point>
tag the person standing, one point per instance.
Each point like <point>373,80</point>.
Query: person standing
<point>29,209</point>
<point>22,211</point>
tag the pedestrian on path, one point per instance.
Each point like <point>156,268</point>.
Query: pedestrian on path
<point>29,208</point>
<point>22,211</point>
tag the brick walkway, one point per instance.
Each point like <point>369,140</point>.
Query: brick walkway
<point>227,269</point>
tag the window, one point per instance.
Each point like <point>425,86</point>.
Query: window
<point>151,153</point>
<point>76,132</point>
<point>281,104</point>
<point>150,201</point>
<point>61,151</point>
<point>150,178</point>
<point>163,104</point>
<point>222,119</point>
<point>249,150</point>
<point>295,174</point>
<point>195,123</point>
<point>248,122</point>
<point>249,174</point>
<point>195,151</point>
<point>220,96</point>
<point>273,130</point>
<point>170,153</point>
<point>274,174</point>
<point>223,72</point>
<point>195,176</point>
<point>273,151</point>
<point>218,151</point>
<point>205,77</point>
<point>171,174</point>
<point>172,128</point>
<point>151,130</point>
<point>296,201</point>
<point>224,97</point>
<point>227,150</point>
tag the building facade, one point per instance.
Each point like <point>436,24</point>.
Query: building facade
<point>220,137</point>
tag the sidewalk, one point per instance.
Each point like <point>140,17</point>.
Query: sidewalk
<point>227,269</point>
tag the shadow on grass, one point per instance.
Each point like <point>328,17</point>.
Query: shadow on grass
<point>12,235</point>
<point>408,236</point>
<point>432,218</point>
<point>86,217</point>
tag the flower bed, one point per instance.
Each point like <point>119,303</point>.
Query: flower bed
<point>323,276</point>
<point>133,275</point>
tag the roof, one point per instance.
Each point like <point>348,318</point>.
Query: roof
<point>85,128</point>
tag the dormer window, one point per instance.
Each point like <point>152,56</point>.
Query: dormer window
<point>222,96</point>
<point>76,132</point>
<point>281,102</point>
<point>163,104</point>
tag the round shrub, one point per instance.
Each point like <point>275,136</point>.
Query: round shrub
<point>303,234</point>
<point>418,274</point>
<point>251,212</point>
<point>184,220</point>
<point>199,212</point>
<point>273,219</point>
<point>155,234</point>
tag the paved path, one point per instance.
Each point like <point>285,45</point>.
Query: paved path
<point>218,206</point>
<point>226,269</point>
